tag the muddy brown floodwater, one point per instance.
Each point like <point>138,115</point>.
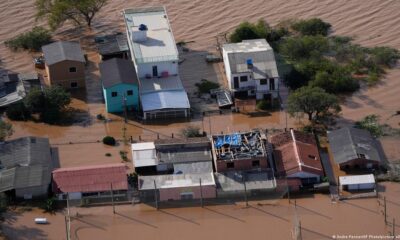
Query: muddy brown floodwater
<point>318,217</point>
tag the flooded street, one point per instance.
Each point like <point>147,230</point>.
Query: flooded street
<point>318,217</point>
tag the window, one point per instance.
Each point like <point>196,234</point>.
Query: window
<point>271,84</point>
<point>74,85</point>
<point>230,165</point>
<point>72,69</point>
<point>263,81</point>
<point>360,155</point>
<point>114,94</point>
<point>243,78</point>
<point>129,92</point>
<point>255,163</point>
<point>312,157</point>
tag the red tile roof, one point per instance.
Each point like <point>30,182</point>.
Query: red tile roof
<point>295,152</point>
<point>90,179</point>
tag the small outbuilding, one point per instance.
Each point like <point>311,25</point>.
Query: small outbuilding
<point>357,182</point>
<point>354,149</point>
<point>120,85</point>
<point>65,64</point>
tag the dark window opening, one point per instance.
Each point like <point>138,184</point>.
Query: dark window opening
<point>72,69</point>
<point>312,157</point>
<point>243,78</point>
<point>155,71</point>
<point>263,81</point>
<point>360,155</point>
<point>129,92</point>
<point>74,84</point>
<point>255,163</point>
<point>114,94</point>
<point>235,82</point>
<point>230,165</point>
<point>271,84</point>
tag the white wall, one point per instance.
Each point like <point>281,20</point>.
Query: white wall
<point>227,68</point>
<point>147,68</point>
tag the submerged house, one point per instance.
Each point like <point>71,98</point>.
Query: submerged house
<point>155,56</point>
<point>91,182</point>
<point>240,151</point>
<point>65,64</point>
<point>251,69</point>
<point>120,85</point>
<point>297,157</point>
<point>25,167</point>
<point>354,148</point>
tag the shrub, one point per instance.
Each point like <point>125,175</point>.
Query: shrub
<point>191,131</point>
<point>205,86</point>
<point>371,124</point>
<point>32,40</point>
<point>385,56</point>
<point>18,112</point>
<point>313,26</point>
<point>49,205</point>
<point>123,155</point>
<point>108,140</point>
<point>268,105</point>
<point>305,47</point>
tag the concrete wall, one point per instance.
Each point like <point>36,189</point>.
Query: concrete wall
<point>32,192</point>
<point>58,74</point>
<point>116,104</point>
<point>166,194</point>
<point>242,164</point>
<point>147,68</point>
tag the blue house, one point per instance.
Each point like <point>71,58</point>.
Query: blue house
<point>120,85</point>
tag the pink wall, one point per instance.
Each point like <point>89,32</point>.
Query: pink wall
<point>242,164</point>
<point>175,193</point>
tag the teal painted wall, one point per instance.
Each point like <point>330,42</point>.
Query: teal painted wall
<point>116,104</point>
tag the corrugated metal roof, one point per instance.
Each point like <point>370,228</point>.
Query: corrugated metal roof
<point>25,162</point>
<point>144,154</point>
<point>90,178</point>
<point>159,84</point>
<point>117,70</point>
<point>112,44</point>
<point>261,54</point>
<point>176,181</point>
<point>61,51</point>
<point>347,143</point>
<point>357,179</point>
<point>171,99</point>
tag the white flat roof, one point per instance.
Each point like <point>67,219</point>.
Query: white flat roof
<point>356,179</point>
<point>144,154</point>
<point>254,45</point>
<point>176,180</point>
<point>160,44</point>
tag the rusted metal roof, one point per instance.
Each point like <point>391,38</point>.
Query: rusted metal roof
<point>90,179</point>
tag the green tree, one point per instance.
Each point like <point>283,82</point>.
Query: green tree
<point>191,131</point>
<point>18,112</point>
<point>306,47</point>
<point>6,130</point>
<point>32,40</point>
<point>57,12</point>
<point>35,100</point>
<point>313,26</point>
<point>313,101</point>
<point>338,81</point>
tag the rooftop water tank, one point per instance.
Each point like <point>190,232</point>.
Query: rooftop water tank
<point>249,63</point>
<point>142,27</point>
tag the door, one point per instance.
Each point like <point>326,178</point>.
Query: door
<point>155,71</point>
<point>235,82</point>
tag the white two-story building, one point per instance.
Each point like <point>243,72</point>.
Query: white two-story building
<point>155,55</point>
<point>251,69</point>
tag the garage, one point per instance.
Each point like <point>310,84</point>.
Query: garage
<point>357,182</point>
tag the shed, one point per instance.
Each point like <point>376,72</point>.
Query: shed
<point>357,182</point>
<point>144,154</point>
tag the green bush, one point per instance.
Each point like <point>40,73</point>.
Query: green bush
<point>18,112</point>
<point>371,124</point>
<point>205,86</point>
<point>191,131</point>
<point>268,105</point>
<point>313,26</point>
<point>32,40</point>
<point>108,140</point>
<point>304,47</point>
<point>385,56</point>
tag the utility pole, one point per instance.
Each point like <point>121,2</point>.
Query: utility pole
<point>384,209</point>
<point>155,194</point>
<point>201,194</point>
<point>301,237</point>
<point>68,219</point>
<point>394,229</point>
<point>245,193</point>
<point>209,123</point>
<point>125,110</point>
<point>66,227</point>
<point>112,198</point>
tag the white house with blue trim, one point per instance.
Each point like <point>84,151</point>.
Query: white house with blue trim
<point>155,56</point>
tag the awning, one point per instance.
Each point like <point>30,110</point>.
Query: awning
<point>169,99</point>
